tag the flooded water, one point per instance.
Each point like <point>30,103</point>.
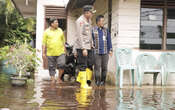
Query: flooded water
<point>16,98</point>
<point>41,95</point>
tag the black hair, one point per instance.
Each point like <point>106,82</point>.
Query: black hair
<point>51,20</point>
<point>98,18</point>
<point>87,8</point>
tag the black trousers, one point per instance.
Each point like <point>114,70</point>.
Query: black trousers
<point>84,62</point>
<point>101,65</point>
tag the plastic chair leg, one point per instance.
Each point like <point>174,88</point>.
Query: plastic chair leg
<point>163,76</point>
<point>132,72</point>
<point>121,78</point>
<point>166,77</point>
<point>140,78</point>
<point>154,78</point>
<point>117,77</point>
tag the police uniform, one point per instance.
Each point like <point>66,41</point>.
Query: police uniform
<point>84,41</point>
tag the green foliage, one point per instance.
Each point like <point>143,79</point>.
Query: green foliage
<point>23,58</point>
<point>3,52</point>
<point>13,26</point>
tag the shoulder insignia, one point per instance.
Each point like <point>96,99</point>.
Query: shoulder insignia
<point>81,23</point>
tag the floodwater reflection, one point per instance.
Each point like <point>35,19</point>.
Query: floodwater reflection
<point>41,95</point>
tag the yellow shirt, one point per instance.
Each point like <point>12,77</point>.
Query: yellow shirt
<point>54,41</point>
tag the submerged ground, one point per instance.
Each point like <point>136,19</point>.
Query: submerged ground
<point>41,95</point>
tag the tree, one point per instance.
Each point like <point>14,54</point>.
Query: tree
<point>14,28</point>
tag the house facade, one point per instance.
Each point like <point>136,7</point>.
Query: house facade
<point>146,26</point>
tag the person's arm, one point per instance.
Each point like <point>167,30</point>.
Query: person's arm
<point>93,39</point>
<point>109,43</point>
<point>43,51</point>
<point>64,41</point>
<point>79,27</point>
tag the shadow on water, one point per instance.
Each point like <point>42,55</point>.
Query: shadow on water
<point>67,96</point>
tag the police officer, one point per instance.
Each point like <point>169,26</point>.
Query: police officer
<point>83,46</point>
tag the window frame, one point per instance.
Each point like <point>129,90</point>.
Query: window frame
<point>165,8</point>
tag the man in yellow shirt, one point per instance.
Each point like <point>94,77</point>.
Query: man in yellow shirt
<point>53,46</point>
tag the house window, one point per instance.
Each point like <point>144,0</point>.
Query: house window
<point>157,24</point>
<point>56,12</point>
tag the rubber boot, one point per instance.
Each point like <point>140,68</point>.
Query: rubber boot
<point>89,74</point>
<point>83,80</point>
<point>78,77</point>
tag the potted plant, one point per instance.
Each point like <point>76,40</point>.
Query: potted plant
<point>24,59</point>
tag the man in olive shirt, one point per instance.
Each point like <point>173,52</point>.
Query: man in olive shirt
<point>54,43</point>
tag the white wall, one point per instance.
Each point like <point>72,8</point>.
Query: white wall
<point>126,26</point>
<point>125,29</point>
<point>41,21</point>
<point>128,23</point>
<point>71,29</point>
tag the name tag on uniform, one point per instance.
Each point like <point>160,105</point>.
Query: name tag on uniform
<point>104,38</point>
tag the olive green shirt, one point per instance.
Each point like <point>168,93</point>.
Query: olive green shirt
<point>54,41</point>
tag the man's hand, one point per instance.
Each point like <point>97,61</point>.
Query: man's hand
<point>85,52</point>
<point>75,55</point>
<point>110,53</point>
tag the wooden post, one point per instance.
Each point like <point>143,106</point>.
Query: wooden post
<point>164,39</point>
<point>109,14</point>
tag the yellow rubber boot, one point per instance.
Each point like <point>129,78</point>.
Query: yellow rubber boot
<point>78,77</point>
<point>89,74</point>
<point>83,80</point>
